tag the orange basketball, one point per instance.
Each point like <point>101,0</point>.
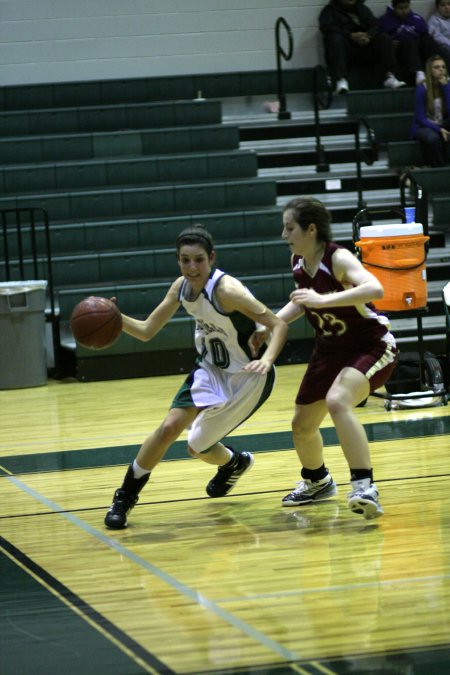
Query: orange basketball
<point>96,323</point>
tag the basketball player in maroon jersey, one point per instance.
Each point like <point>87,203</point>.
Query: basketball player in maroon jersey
<point>354,354</point>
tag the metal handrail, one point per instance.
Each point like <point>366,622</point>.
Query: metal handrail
<point>321,75</point>
<point>320,104</point>
<point>370,155</point>
<point>366,155</point>
<point>283,113</point>
<point>408,182</point>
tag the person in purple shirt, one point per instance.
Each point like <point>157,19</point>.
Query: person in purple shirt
<point>431,123</point>
<point>412,42</point>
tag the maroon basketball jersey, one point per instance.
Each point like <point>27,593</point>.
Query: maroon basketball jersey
<point>338,328</point>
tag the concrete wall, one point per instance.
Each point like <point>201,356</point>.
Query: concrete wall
<point>72,40</point>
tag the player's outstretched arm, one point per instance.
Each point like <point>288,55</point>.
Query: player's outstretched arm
<point>290,312</point>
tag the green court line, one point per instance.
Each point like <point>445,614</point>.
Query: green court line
<point>267,442</point>
<point>54,636</point>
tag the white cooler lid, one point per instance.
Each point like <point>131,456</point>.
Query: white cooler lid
<point>396,230</point>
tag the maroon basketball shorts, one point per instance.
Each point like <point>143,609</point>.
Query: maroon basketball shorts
<point>376,362</point>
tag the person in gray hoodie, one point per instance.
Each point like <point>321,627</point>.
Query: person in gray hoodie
<point>439,27</point>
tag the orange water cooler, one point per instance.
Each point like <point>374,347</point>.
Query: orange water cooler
<point>396,256</point>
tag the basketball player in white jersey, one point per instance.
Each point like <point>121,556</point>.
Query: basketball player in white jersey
<point>226,385</point>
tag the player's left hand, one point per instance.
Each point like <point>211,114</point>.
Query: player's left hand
<point>307,297</point>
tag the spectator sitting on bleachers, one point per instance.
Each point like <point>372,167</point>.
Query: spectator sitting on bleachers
<point>439,27</point>
<point>431,122</point>
<point>412,41</point>
<point>351,35</point>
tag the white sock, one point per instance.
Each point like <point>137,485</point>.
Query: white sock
<point>363,483</point>
<point>233,455</point>
<point>139,471</point>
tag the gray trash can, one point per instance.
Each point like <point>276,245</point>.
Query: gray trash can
<point>23,361</point>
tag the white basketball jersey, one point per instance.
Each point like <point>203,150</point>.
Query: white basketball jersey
<point>220,338</point>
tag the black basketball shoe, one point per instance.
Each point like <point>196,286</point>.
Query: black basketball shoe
<point>228,475</point>
<point>125,498</point>
<point>123,502</point>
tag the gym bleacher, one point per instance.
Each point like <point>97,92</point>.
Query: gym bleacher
<point>121,167</point>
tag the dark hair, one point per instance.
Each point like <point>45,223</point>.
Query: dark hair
<point>197,234</point>
<point>307,210</point>
<point>400,2</point>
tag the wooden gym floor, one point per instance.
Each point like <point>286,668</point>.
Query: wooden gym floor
<point>201,586</point>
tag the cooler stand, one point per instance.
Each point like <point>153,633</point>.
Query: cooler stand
<point>446,301</point>
<point>365,216</point>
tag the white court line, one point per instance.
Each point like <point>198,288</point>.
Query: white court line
<point>192,594</point>
<point>435,579</point>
